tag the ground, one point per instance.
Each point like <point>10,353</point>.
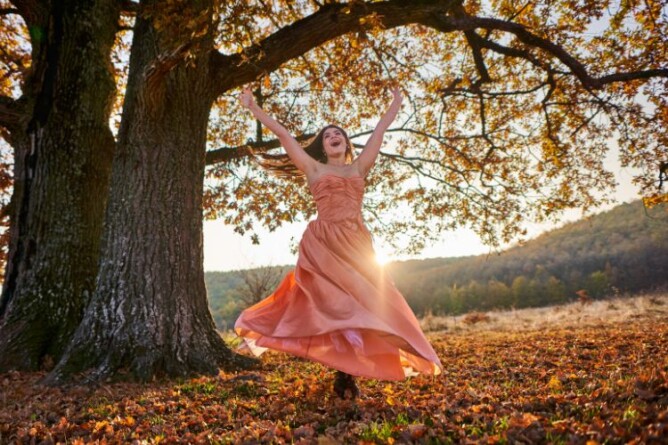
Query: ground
<point>603,380</point>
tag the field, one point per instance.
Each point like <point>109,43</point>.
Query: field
<point>594,373</point>
<point>574,315</point>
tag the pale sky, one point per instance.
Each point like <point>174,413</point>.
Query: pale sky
<point>226,250</point>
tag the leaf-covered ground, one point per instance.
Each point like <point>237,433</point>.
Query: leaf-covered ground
<point>602,384</point>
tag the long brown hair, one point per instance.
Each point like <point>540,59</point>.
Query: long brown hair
<point>281,165</point>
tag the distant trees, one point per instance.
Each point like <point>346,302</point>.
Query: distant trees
<point>231,292</point>
<point>258,283</point>
<point>623,250</point>
<point>477,295</point>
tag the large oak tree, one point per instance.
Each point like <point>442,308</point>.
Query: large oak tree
<point>62,150</point>
<point>511,112</point>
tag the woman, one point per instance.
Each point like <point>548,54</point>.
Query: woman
<point>337,306</point>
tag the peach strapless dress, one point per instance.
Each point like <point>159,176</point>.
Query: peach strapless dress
<point>338,306</point>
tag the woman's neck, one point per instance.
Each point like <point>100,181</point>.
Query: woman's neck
<point>337,162</point>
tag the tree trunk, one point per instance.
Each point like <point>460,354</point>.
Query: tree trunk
<point>61,176</point>
<point>149,314</point>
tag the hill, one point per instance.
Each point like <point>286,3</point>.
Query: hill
<point>623,250</point>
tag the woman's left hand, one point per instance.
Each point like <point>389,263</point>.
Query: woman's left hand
<point>246,98</point>
<point>396,94</point>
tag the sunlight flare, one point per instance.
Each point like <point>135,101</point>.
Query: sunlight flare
<point>382,256</point>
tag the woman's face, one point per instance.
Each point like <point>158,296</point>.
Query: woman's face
<point>334,143</point>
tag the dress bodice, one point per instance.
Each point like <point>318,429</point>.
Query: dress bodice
<point>338,198</point>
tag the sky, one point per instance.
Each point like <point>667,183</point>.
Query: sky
<point>226,250</point>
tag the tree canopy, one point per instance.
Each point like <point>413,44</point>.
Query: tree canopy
<point>512,106</point>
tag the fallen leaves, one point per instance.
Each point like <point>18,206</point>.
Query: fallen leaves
<point>588,385</point>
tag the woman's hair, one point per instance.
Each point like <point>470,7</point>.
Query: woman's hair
<point>281,165</point>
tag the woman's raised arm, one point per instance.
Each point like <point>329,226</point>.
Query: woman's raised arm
<point>367,158</point>
<point>299,157</point>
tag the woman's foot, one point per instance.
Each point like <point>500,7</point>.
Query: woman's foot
<point>345,386</point>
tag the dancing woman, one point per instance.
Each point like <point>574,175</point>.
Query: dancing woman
<point>337,306</point>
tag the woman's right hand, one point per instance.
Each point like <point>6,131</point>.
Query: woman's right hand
<point>246,98</point>
<point>396,94</point>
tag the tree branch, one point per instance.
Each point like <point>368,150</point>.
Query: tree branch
<point>419,169</point>
<point>7,11</point>
<point>129,7</point>
<point>445,23</point>
<point>506,51</point>
<point>474,42</point>
<point>33,11</point>
<point>11,113</point>
<point>228,154</point>
<point>329,22</point>
<point>633,75</point>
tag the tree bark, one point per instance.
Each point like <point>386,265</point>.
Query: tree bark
<point>149,313</point>
<point>63,157</point>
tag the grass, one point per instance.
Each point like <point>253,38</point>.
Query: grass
<point>614,310</point>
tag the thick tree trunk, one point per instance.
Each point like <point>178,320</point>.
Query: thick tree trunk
<point>149,314</point>
<point>62,168</point>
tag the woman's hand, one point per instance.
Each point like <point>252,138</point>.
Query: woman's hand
<point>396,94</point>
<point>301,159</point>
<point>367,158</point>
<point>246,98</point>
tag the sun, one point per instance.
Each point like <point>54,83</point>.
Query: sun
<point>382,257</point>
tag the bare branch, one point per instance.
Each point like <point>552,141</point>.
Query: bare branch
<point>258,283</point>
<point>465,191</point>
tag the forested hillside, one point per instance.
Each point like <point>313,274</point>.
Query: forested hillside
<point>621,250</point>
